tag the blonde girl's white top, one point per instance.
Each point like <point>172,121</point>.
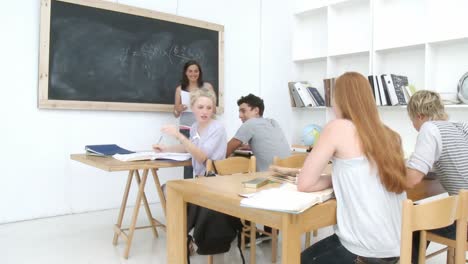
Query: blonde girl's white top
<point>368,216</point>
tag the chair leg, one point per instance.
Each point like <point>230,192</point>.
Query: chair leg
<point>307,240</point>
<point>450,255</point>
<point>210,259</point>
<point>274,245</point>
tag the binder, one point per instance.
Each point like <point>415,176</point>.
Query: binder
<point>390,89</point>
<point>399,83</point>
<point>295,95</point>
<point>316,95</point>
<point>304,94</point>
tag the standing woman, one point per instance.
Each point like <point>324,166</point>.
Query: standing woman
<point>207,138</point>
<point>192,80</point>
<point>368,178</point>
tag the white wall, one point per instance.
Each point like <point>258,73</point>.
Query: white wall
<point>40,180</point>
<point>38,177</point>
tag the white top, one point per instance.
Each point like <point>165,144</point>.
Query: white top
<point>368,216</point>
<point>428,148</point>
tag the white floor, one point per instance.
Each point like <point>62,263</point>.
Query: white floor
<point>87,238</point>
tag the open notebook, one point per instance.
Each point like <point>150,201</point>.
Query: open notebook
<point>151,155</point>
<point>286,199</point>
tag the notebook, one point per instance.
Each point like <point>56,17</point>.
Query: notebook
<point>105,150</point>
<point>151,155</point>
<point>286,199</point>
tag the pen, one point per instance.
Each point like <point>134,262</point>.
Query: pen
<point>159,140</point>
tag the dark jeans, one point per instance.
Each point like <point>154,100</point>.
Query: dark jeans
<point>448,232</point>
<point>331,251</point>
<point>188,170</point>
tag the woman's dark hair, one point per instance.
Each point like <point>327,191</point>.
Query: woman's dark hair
<point>184,82</point>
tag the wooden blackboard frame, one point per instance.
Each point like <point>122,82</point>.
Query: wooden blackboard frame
<point>44,52</point>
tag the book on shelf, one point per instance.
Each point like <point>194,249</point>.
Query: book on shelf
<point>388,84</point>
<point>399,83</point>
<point>375,88</point>
<point>328,87</point>
<point>304,94</point>
<point>316,96</point>
<point>382,91</point>
<point>286,198</point>
<point>105,150</point>
<point>255,183</point>
<point>151,155</point>
<point>295,95</point>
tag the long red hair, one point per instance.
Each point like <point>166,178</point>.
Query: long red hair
<point>381,145</point>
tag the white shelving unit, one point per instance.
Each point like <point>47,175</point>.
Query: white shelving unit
<point>426,40</point>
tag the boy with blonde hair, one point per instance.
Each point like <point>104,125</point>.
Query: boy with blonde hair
<point>441,145</point>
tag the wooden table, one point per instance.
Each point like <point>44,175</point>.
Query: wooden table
<point>221,194</point>
<point>133,167</point>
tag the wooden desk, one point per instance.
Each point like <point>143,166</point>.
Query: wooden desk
<point>221,194</point>
<point>111,164</point>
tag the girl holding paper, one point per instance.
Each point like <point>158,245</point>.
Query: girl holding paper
<point>192,80</point>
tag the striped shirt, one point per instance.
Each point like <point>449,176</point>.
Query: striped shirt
<point>443,146</point>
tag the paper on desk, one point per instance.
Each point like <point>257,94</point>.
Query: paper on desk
<point>185,99</point>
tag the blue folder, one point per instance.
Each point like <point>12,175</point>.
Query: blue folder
<point>106,150</point>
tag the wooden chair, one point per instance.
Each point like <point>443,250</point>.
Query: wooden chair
<point>455,248</point>
<point>229,166</point>
<point>295,161</point>
<point>423,217</point>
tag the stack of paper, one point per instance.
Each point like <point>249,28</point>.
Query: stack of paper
<point>286,199</point>
<point>151,155</point>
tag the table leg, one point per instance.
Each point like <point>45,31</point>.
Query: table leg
<point>131,231</point>
<point>145,203</point>
<point>162,199</point>
<point>253,244</point>
<point>291,246</point>
<point>176,227</point>
<point>123,205</point>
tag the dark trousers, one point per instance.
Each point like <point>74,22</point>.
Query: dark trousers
<point>449,232</point>
<point>188,170</point>
<point>331,251</point>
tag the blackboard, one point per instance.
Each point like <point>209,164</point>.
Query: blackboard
<point>102,55</point>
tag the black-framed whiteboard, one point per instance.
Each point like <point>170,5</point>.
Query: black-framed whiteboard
<point>100,55</point>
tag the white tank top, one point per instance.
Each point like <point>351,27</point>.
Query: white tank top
<point>368,216</point>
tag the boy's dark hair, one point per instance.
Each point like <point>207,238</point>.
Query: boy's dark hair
<point>253,101</point>
<point>184,82</point>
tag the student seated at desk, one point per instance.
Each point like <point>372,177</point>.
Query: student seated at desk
<point>207,135</point>
<point>441,145</point>
<point>264,136</point>
<point>368,179</point>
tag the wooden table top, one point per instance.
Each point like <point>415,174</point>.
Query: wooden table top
<point>111,164</point>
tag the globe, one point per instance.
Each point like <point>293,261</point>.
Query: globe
<point>310,134</point>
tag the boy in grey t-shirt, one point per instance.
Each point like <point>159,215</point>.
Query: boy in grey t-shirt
<point>264,135</point>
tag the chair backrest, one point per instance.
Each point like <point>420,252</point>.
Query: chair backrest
<point>461,242</point>
<point>232,165</point>
<point>431,215</point>
<point>294,161</point>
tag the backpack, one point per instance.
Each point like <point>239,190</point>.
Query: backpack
<point>213,231</point>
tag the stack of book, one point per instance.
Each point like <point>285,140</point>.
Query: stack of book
<point>302,94</point>
<point>390,89</point>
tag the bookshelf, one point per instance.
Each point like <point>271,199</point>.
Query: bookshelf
<point>426,40</point>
